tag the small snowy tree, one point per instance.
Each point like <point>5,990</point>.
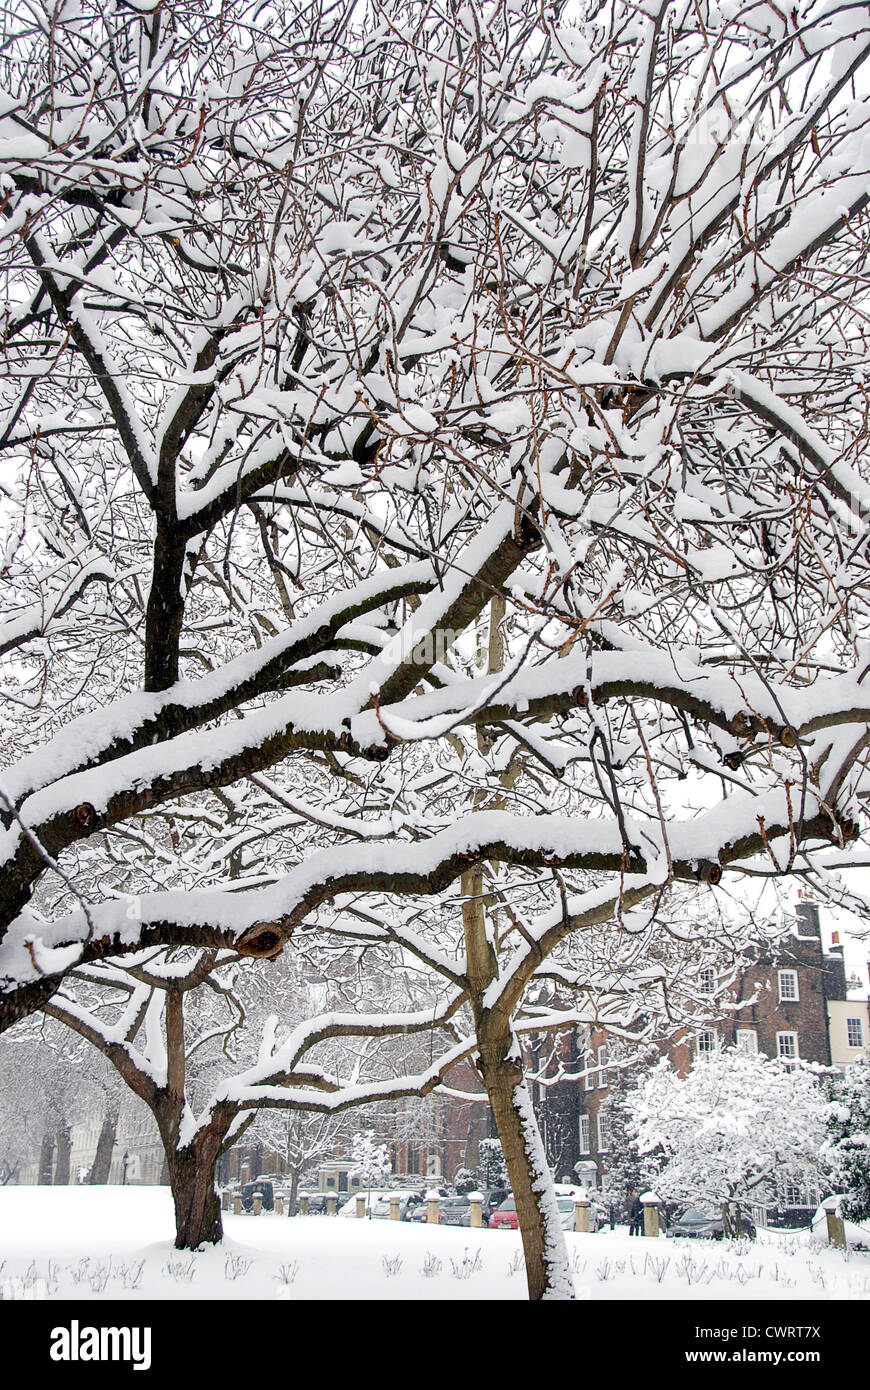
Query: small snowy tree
<point>731,1129</point>
<point>847,1146</point>
<point>372,1161</point>
<point>491,1164</point>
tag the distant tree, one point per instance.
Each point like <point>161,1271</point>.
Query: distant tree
<point>627,1169</point>
<point>191,1038</point>
<point>731,1130</point>
<point>303,1138</point>
<point>491,1164</point>
<point>372,1161</point>
<point>464,1180</point>
<point>847,1145</point>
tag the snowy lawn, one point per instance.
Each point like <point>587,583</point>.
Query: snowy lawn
<point>116,1243</point>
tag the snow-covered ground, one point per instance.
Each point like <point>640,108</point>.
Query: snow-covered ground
<point>116,1243</point>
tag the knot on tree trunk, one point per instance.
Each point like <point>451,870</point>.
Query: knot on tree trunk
<point>265,941</point>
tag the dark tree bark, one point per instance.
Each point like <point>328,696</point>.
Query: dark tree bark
<point>197,1205</point>
<point>293,1193</point>
<point>64,1149</point>
<point>165,610</point>
<point>46,1160</point>
<point>105,1147</point>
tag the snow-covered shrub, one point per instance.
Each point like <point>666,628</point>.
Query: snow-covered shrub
<point>731,1129</point>
<point>847,1145</point>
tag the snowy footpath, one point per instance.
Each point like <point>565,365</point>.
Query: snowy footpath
<point>116,1243</point>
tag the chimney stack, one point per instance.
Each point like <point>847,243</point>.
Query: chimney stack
<point>807,919</point>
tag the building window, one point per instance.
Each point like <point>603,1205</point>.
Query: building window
<point>588,1073</point>
<point>787,1045</point>
<point>603,1133</point>
<point>854,1032</point>
<point>707,980</point>
<point>584,1134</point>
<point>788,986</point>
<point>602,1062</point>
<point>707,1042</point>
<point>747,1040</point>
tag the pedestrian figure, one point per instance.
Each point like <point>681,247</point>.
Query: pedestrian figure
<point>635,1212</point>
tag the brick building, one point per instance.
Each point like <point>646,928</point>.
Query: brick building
<point>792,1003</point>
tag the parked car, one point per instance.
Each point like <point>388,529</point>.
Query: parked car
<point>504,1218</point>
<point>492,1200</point>
<point>599,1217</point>
<point>266,1191</point>
<point>454,1211</point>
<point>317,1203</point>
<point>378,1203</point>
<point>705,1222</point>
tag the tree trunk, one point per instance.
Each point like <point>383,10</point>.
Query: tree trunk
<point>64,1149</point>
<point>102,1163</point>
<point>197,1204</point>
<point>46,1160</point>
<point>294,1189</point>
<point>547,1270</point>
<point>726,1221</point>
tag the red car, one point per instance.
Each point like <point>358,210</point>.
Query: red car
<point>504,1218</point>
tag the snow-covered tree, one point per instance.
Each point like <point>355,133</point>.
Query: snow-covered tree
<point>189,1036</point>
<point>303,1138</point>
<point>732,1129</point>
<point>330,332</point>
<point>847,1145</point>
<point>628,1170</point>
<point>491,1165</point>
<point>371,1160</point>
<point>464,1180</point>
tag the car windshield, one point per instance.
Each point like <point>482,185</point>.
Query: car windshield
<point>698,1214</point>
<point>508,1205</point>
<point>455,1202</point>
<point>565,1203</point>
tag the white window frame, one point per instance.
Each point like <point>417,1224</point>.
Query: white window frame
<point>747,1041</point>
<point>859,1024</point>
<point>603,1133</point>
<point>602,1064</point>
<point>787,1056</point>
<point>585,1124</point>
<point>702,1050</point>
<point>791,975</point>
<point>589,1071</point>
<point>707,980</point>
<point>794,1193</point>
